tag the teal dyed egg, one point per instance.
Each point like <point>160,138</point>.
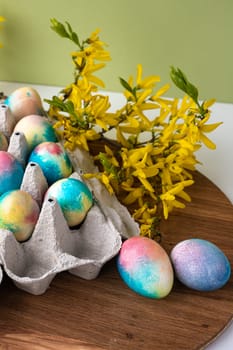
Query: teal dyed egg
<point>145,267</point>
<point>11,172</point>
<point>200,265</point>
<point>74,198</point>
<point>24,101</point>
<point>53,161</point>
<point>36,130</point>
<point>19,213</point>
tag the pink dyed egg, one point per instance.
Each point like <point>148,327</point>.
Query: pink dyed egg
<point>11,172</point>
<point>24,101</point>
<point>145,267</point>
<point>19,213</point>
<point>53,160</point>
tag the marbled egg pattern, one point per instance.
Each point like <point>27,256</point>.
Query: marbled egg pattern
<point>53,160</point>
<point>24,101</point>
<point>36,130</point>
<point>74,198</point>
<point>19,213</point>
<point>145,267</point>
<point>200,264</point>
<point>11,172</point>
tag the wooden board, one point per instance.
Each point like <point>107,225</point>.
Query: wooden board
<point>106,314</point>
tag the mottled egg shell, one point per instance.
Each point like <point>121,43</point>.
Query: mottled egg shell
<point>11,172</point>
<point>3,142</point>
<point>145,267</point>
<point>19,213</point>
<point>36,130</point>
<point>74,198</point>
<point>24,101</point>
<point>53,161</point>
<point>200,264</point>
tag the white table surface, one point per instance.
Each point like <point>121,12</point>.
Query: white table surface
<point>217,165</point>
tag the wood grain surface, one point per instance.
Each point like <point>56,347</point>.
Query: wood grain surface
<point>106,314</point>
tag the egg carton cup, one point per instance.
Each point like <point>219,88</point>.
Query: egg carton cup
<point>55,247</point>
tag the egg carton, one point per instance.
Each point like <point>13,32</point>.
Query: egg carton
<point>53,246</point>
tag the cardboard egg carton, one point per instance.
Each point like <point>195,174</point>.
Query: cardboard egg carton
<point>53,246</point>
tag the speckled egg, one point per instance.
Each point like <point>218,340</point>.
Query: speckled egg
<point>200,264</point>
<point>74,198</point>
<point>11,172</point>
<point>3,142</point>
<point>145,267</point>
<point>53,160</point>
<point>36,130</point>
<point>19,213</point>
<point>24,101</point>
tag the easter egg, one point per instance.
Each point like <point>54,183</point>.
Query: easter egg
<point>200,265</point>
<point>3,142</point>
<point>36,130</point>
<point>53,161</point>
<point>24,101</point>
<point>11,172</point>
<point>19,213</point>
<point>145,267</point>
<point>74,198</point>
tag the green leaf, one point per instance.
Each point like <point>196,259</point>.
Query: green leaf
<point>107,165</point>
<point>69,107</point>
<point>59,28</point>
<point>126,85</point>
<point>55,102</point>
<point>73,35</point>
<point>181,81</point>
<point>69,27</point>
<point>75,39</point>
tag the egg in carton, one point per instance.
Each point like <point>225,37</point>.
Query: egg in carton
<point>53,246</point>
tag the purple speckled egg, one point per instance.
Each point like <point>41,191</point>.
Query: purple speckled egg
<point>53,161</point>
<point>36,130</point>
<point>11,172</point>
<point>145,267</point>
<point>24,101</point>
<point>200,264</point>
<point>19,213</point>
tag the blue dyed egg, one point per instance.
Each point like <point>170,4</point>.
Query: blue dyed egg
<point>11,172</point>
<point>74,198</point>
<point>36,130</point>
<point>145,267</point>
<point>200,265</point>
<point>53,161</point>
<point>24,101</point>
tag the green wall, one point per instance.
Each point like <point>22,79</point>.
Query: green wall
<point>196,36</point>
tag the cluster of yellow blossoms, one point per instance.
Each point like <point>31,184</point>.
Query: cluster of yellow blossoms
<point>150,163</point>
<point>2,19</point>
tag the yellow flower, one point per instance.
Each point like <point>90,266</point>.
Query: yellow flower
<point>152,164</point>
<point>146,83</point>
<point>168,197</point>
<point>206,128</point>
<point>134,194</point>
<point>106,181</point>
